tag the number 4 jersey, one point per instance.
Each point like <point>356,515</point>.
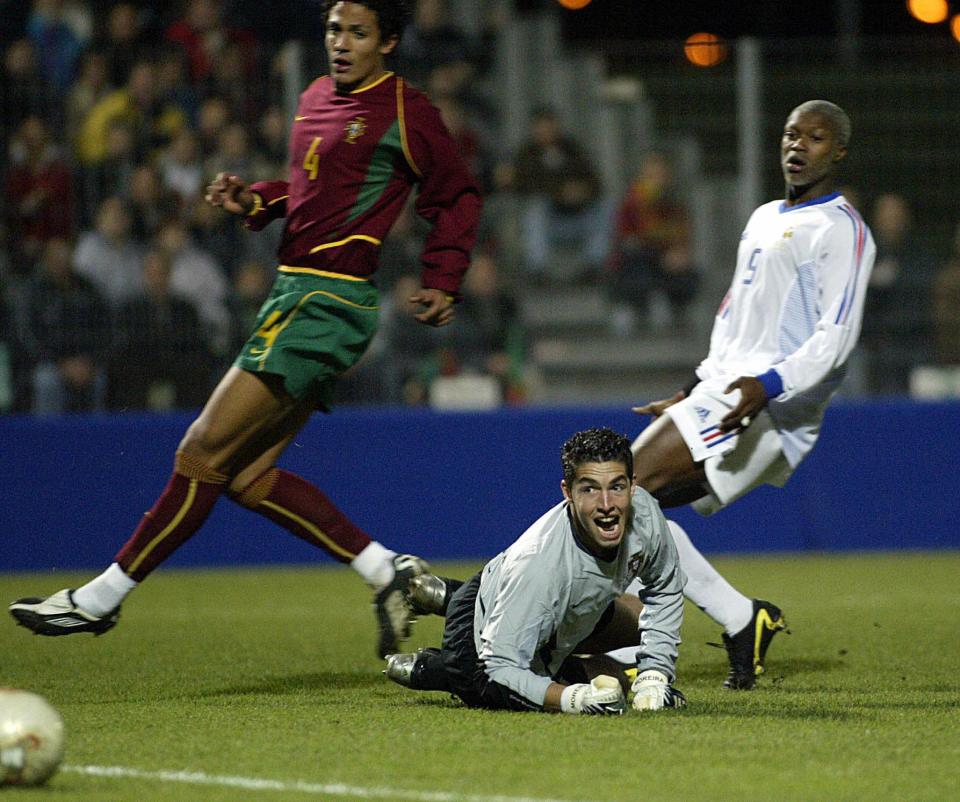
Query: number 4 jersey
<point>354,159</point>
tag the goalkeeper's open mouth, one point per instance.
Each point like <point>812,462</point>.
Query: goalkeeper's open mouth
<point>609,528</point>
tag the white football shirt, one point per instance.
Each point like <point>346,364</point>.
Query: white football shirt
<point>793,312</point>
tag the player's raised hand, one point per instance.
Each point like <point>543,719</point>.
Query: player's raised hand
<point>229,192</point>
<point>435,305</point>
<point>656,408</point>
<point>753,398</point>
<point>602,697</point>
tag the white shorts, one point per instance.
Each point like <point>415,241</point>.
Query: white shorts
<point>735,462</point>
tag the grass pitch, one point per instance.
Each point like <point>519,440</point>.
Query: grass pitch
<point>263,685</point>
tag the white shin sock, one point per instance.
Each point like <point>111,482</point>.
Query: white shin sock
<point>375,564</point>
<point>707,589</point>
<point>105,592</point>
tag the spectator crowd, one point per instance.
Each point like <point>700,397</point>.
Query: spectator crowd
<point>121,289</point>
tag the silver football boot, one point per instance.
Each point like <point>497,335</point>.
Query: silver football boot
<point>427,595</point>
<point>391,607</point>
<point>400,667</point>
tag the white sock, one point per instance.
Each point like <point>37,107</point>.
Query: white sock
<point>375,565</point>
<point>707,589</point>
<point>104,593</point>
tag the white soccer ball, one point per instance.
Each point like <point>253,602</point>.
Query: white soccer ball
<point>31,738</point>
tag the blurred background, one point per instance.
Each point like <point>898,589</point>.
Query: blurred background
<point>620,147</point>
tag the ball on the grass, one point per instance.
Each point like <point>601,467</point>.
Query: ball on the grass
<point>31,738</point>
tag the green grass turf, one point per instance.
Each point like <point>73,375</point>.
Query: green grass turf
<point>271,674</point>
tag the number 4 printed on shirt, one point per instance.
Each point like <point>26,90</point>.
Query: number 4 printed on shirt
<point>311,162</point>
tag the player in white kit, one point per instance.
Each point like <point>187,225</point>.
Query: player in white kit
<point>511,630</point>
<point>780,341</point>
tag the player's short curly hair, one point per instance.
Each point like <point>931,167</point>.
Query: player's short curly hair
<point>594,445</point>
<point>837,117</point>
<point>392,15</point>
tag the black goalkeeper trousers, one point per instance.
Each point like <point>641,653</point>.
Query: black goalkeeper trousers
<point>456,668</point>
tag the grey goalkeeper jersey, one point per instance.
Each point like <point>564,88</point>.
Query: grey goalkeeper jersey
<point>542,596</point>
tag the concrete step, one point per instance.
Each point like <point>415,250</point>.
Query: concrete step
<point>556,309</point>
<point>611,369</point>
<point>627,388</point>
<point>609,354</point>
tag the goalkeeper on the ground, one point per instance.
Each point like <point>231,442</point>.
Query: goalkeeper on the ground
<point>515,633</point>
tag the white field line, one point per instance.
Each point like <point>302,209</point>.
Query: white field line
<point>257,784</point>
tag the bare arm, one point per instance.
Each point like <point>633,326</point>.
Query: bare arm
<point>656,408</point>
<point>551,702</point>
<point>753,398</point>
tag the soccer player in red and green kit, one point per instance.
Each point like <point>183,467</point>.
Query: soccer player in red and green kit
<point>362,139</point>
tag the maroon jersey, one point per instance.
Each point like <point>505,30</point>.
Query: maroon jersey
<point>354,158</point>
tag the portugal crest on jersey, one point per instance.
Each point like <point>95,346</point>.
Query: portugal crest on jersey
<point>354,129</point>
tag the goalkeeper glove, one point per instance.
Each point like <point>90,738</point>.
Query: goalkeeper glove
<point>652,691</point>
<point>603,697</point>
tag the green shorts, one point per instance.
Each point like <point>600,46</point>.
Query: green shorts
<point>309,331</point>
